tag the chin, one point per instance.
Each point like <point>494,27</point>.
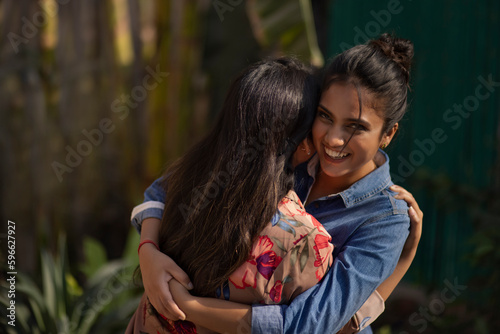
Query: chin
<point>335,172</point>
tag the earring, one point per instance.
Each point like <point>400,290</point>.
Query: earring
<point>383,146</point>
<point>308,152</point>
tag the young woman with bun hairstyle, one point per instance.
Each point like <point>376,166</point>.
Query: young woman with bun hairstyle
<point>346,186</point>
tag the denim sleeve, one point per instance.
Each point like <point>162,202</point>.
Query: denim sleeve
<point>152,207</point>
<point>365,261</point>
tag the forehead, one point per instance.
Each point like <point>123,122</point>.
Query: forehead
<point>342,100</point>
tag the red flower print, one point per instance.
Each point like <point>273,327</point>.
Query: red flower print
<point>185,327</point>
<point>267,263</point>
<point>264,244</point>
<point>284,201</point>
<point>275,293</point>
<point>244,276</point>
<point>262,260</point>
<point>321,248</point>
<point>302,236</point>
<point>291,209</point>
<point>179,326</point>
<point>319,226</point>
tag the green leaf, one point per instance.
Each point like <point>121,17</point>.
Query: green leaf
<point>106,303</point>
<point>294,222</point>
<point>60,271</point>
<point>279,244</point>
<point>286,27</point>
<point>130,251</point>
<point>95,256</point>
<point>293,255</point>
<point>72,285</point>
<point>118,316</point>
<point>484,249</point>
<point>286,227</point>
<point>27,287</point>
<point>287,279</point>
<point>22,320</point>
<point>304,256</point>
<point>48,281</point>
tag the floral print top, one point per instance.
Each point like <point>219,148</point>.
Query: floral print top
<point>290,255</point>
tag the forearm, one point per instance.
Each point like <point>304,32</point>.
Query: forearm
<point>218,315</point>
<point>407,255</point>
<point>150,229</point>
<point>385,289</point>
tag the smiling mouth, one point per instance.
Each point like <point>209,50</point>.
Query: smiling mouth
<point>336,155</point>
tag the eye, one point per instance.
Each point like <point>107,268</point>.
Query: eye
<point>357,126</point>
<point>323,115</point>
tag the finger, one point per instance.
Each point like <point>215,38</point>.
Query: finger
<point>415,208</point>
<point>416,215</point>
<point>402,191</point>
<point>163,301</point>
<point>412,213</point>
<point>408,197</point>
<point>161,309</point>
<point>180,276</point>
<point>170,307</point>
<point>415,222</point>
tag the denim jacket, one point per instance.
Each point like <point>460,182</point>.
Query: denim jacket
<point>368,228</point>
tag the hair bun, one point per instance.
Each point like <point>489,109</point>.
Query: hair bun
<point>398,50</point>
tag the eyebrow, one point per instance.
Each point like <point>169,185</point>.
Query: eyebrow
<point>324,108</point>
<point>355,120</point>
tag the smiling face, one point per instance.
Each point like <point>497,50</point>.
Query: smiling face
<point>336,120</point>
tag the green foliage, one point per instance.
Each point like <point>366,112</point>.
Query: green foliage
<point>287,26</point>
<point>485,259</point>
<point>58,304</point>
<point>483,294</point>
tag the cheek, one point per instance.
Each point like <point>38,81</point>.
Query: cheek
<point>361,143</point>
<point>369,145</point>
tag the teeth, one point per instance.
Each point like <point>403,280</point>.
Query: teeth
<point>335,154</point>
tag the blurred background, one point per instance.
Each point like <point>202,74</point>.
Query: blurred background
<point>98,96</point>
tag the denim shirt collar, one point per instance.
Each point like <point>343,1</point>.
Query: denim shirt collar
<point>364,188</point>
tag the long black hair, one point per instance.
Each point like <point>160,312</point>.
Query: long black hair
<point>225,189</point>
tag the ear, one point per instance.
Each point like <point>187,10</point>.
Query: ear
<point>306,146</point>
<point>304,151</point>
<point>387,137</point>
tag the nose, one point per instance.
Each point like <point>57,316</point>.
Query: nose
<point>335,137</point>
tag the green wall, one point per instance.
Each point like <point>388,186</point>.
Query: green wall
<point>453,115</point>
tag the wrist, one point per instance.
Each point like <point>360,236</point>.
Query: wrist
<point>145,243</point>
